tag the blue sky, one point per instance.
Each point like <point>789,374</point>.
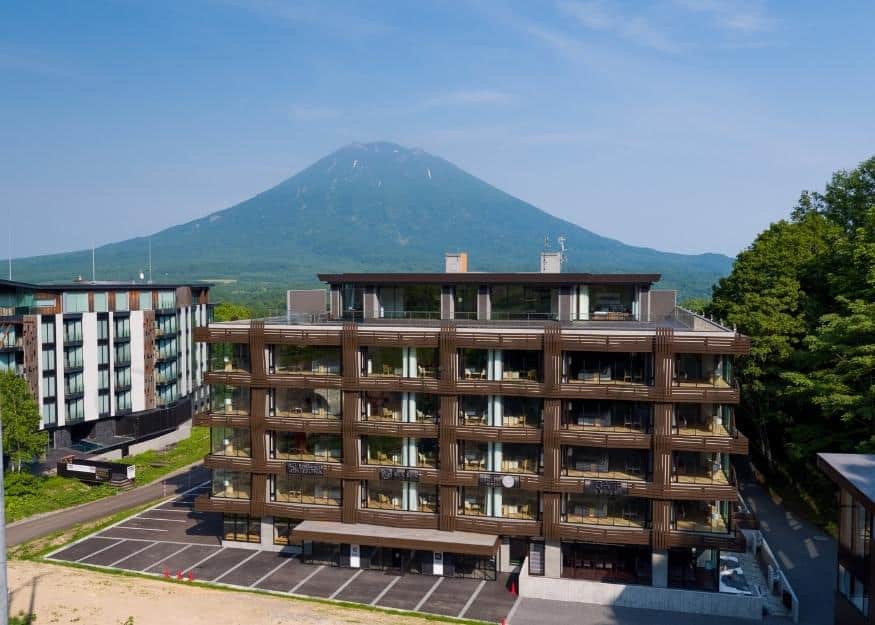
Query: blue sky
<point>685,125</point>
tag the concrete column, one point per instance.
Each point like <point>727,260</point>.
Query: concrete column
<point>504,556</point>
<point>552,559</point>
<point>267,532</point>
<point>659,568</point>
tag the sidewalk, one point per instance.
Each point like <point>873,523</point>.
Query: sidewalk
<point>43,524</point>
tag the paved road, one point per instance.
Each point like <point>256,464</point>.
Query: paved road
<point>42,525</point>
<point>807,555</point>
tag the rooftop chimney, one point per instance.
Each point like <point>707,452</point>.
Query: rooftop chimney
<point>456,262</point>
<point>551,262</point>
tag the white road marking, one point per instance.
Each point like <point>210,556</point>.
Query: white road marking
<point>513,610</point>
<point>428,594</point>
<point>166,558</point>
<point>151,518</point>
<point>147,540</point>
<point>215,553</point>
<point>238,565</point>
<point>306,579</point>
<point>346,583</point>
<point>385,590</point>
<point>472,598</point>
<point>94,553</point>
<point>133,554</point>
<point>145,529</point>
<point>270,572</point>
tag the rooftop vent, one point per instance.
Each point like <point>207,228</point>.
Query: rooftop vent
<point>551,262</point>
<point>456,262</point>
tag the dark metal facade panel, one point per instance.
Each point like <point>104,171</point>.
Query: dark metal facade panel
<point>484,278</point>
<point>150,358</point>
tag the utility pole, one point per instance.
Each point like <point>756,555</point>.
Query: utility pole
<point>4,589</point>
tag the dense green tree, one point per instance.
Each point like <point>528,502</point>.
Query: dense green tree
<point>22,439</point>
<point>227,311</point>
<point>803,292</point>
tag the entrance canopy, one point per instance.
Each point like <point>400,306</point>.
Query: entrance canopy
<point>403,538</point>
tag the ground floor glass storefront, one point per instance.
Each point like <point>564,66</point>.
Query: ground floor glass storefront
<point>618,564</point>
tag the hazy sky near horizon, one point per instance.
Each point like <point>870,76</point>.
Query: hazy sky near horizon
<point>684,125</point>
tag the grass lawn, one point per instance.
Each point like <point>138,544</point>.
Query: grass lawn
<point>27,495</point>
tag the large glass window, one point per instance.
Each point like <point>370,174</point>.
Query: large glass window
<point>612,464</point>
<point>229,357</point>
<point>381,406</point>
<point>473,410</point>
<point>701,516</point>
<point>519,504</point>
<point>522,364</point>
<point>521,458</point>
<point>75,302</point>
<point>702,370</point>
<point>306,490</point>
<point>72,330</point>
<point>241,528</point>
<point>520,412</point>
<point>426,452</point>
<point>101,303</point>
<point>473,455</point>
<point>608,368</point>
<point>145,299</point>
<point>383,450</point>
<point>523,302</point>
<point>226,441</point>
<point>382,362</point>
<point>606,563</point>
<point>353,301</point>
<point>122,327</point>
<point>427,362</point>
<point>421,301</point>
<point>50,413</point>
<point>306,359</point>
<point>122,353</point>
<point>612,416</point>
<point>473,364</point>
<point>47,331</point>
<point>590,509</point>
<point>123,378</point>
<point>427,408</point>
<point>231,484</point>
<point>611,303</point>
<point>72,357</point>
<point>473,501</point>
<point>704,419</point>
<point>166,299</point>
<point>282,530</point>
<point>122,301</point>
<point>227,399</point>
<point>320,403</point>
<point>694,467</point>
<point>465,305</point>
<point>384,495</point>
<point>48,359</point>
<point>306,447</point>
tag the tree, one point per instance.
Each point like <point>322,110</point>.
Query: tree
<point>227,311</point>
<point>22,439</point>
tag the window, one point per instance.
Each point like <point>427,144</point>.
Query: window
<point>353,301</point>
<point>241,527</point>
<point>122,328</point>
<point>103,379</point>
<point>50,413</point>
<point>103,329</point>
<point>123,377</point>
<point>122,301</point>
<point>608,303</point>
<point>75,409</point>
<point>123,400</point>
<point>230,442</point>
<point>72,330</point>
<point>49,386</point>
<point>103,354</point>
<point>74,383</point>
<point>47,331</point>
<point>48,359</point>
<point>145,300</point>
<point>103,403</point>
<point>306,447</point>
<point>166,299</point>
<point>231,484</point>
<point>306,490</point>
<point>122,353</point>
<point>100,302</point>
<point>382,450</point>
<point>72,357</point>
<point>75,302</point>
<point>282,530</point>
<point>465,304</point>
<point>523,302</point>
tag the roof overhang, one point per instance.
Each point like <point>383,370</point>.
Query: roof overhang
<point>852,472</point>
<point>403,538</point>
<point>546,279</point>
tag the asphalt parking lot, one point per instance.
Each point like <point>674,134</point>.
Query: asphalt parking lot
<point>173,539</point>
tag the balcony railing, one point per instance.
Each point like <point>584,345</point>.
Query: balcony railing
<point>411,314</point>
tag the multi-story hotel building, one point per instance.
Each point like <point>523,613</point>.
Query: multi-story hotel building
<point>456,423</point>
<point>854,475</point>
<point>110,364</point>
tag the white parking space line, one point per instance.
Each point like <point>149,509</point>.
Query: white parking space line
<point>513,610</point>
<point>270,572</point>
<point>385,590</point>
<point>346,583</point>
<point>215,553</point>
<point>152,518</point>
<point>145,529</point>
<point>307,579</point>
<point>147,540</point>
<point>472,598</point>
<point>428,594</point>
<point>133,554</point>
<point>238,565</point>
<point>94,553</point>
<point>166,558</point>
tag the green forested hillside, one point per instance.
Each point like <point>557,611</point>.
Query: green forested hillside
<point>372,206</point>
<point>805,293</point>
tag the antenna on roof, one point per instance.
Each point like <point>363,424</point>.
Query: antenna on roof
<point>546,243</point>
<point>562,249</point>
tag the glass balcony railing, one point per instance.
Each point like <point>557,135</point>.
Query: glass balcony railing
<point>632,512</point>
<point>701,516</point>
<point>599,463</point>
<point>606,416</point>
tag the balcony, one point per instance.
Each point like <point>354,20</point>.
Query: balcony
<point>307,404</point>
<point>382,362</point>
<point>427,453</point>
<point>230,442</point>
<point>518,364</point>
<point>383,451</point>
<point>519,504</point>
<point>229,400</point>
<point>305,360</point>
<point>517,302</point>
<point>422,301</point>
<point>229,357</point>
<point>608,368</point>
<point>378,406</point>
<point>610,303</point>
<point>631,512</point>
<point>521,458</point>
<point>702,371</point>
<point>427,363</point>
<point>693,420</point>
<point>607,416</point>
<point>700,516</point>
<point>305,447</point>
<point>522,412</point>
<point>473,410</point>
<point>473,501</point>
<point>701,468</point>
<point>318,492</point>
<point>474,364</point>
<point>591,462</point>
<point>473,456</point>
